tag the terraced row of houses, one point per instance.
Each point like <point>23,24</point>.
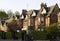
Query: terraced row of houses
<point>33,19</point>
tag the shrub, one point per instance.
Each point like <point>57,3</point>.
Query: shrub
<point>8,35</point>
<point>39,35</point>
<point>19,35</point>
<point>52,31</point>
<point>0,35</point>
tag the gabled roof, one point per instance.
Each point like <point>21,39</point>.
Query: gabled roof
<point>51,9</point>
<point>29,12</point>
<point>36,11</point>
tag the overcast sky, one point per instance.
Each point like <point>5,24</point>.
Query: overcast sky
<point>18,5</point>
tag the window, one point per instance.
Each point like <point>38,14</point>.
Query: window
<point>22,17</point>
<point>26,17</point>
<point>42,20</point>
<point>34,14</point>
<point>39,20</point>
<point>44,11</point>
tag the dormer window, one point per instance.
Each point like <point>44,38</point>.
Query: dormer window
<point>26,17</point>
<point>22,17</point>
<point>43,11</point>
<point>34,14</point>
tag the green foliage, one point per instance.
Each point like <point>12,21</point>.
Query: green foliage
<point>19,34</point>
<point>8,35</point>
<point>0,34</point>
<point>39,35</point>
<point>58,33</point>
<point>49,33</point>
<point>52,31</point>
<point>3,15</point>
<point>52,27</point>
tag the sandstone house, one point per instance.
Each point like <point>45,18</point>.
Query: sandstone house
<point>32,19</point>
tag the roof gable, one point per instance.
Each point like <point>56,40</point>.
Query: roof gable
<point>51,9</point>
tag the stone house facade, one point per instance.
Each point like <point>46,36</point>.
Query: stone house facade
<point>45,16</point>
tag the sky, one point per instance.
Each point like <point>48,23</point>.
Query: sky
<point>18,5</point>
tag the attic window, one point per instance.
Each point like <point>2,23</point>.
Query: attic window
<point>22,17</point>
<point>34,14</point>
<point>44,11</point>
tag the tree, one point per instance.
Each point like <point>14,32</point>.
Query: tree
<point>17,14</point>
<point>3,15</point>
<point>10,13</point>
<point>52,31</point>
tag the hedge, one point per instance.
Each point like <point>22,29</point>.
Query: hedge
<point>35,35</point>
<point>39,35</point>
<point>8,35</point>
<point>0,34</point>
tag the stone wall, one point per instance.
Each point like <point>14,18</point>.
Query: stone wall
<point>59,17</point>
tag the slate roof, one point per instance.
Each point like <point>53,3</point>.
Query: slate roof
<point>49,11</point>
<point>51,8</point>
